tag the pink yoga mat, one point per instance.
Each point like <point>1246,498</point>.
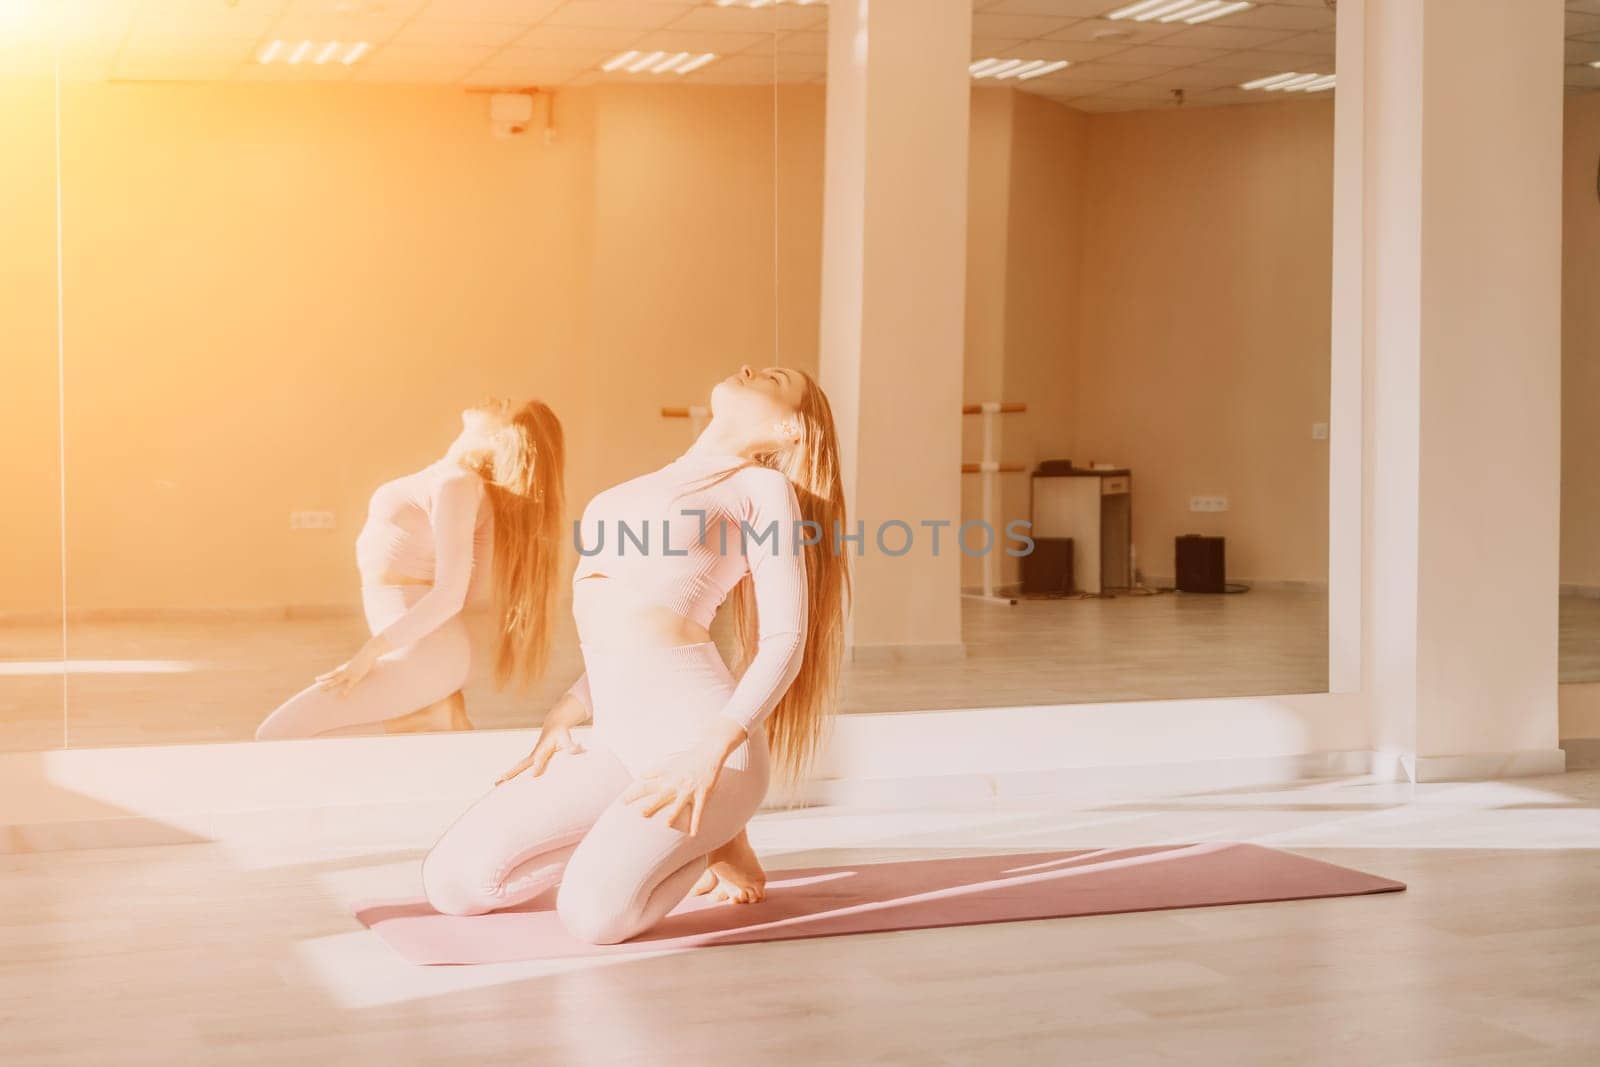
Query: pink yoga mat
<point>907,894</point>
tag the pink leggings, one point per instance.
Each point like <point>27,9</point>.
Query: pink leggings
<point>619,872</point>
<point>404,680</point>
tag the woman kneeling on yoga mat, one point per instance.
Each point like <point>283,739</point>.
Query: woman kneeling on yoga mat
<point>425,550</point>
<point>656,804</point>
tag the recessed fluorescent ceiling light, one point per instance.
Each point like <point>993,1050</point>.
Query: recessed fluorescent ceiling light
<point>634,61</point>
<point>1020,69</point>
<point>319,52</point>
<point>1292,82</point>
<point>1193,12</point>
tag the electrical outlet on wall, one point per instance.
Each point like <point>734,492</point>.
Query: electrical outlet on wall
<point>1319,431</point>
<point>310,520</point>
<point>1208,503</point>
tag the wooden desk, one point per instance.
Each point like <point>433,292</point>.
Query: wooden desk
<point>1095,509</point>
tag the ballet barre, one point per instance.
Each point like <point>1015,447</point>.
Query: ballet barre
<point>697,414</point>
<point>989,468</point>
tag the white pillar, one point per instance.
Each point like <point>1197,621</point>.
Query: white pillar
<point>1463,104</point>
<point>893,291</point>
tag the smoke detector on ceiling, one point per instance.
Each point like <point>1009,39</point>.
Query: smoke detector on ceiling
<point>1112,33</point>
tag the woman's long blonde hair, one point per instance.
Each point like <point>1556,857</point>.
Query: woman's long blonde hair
<point>522,474</point>
<point>796,726</point>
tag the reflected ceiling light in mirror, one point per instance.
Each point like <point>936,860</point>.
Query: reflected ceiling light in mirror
<point>297,52</point>
<point>634,61</point>
<point>1020,69</point>
<point>1192,12</point>
<point>1292,82</point>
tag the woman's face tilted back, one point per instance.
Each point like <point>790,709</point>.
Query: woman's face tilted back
<point>761,406</point>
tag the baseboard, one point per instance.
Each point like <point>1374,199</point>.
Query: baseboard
<point>1587,592</point>
<point>1583,753</point>
<point>891,654</point>
<point>236,613</point>
<point>1279,585</point>
<point>417,822</point>
<point>1478,766</point>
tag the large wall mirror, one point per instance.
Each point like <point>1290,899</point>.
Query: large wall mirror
<point>301,239</point>
<point>1580,350</point>
<point>32,713</point>
<point>1150,211</point>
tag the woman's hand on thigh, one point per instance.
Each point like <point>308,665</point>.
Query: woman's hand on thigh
<point>680,786</point>
<point>553,738</point>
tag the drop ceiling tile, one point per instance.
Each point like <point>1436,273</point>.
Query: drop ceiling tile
<point>1280,17</point>
<point>547,36</point>
<point>1591,7</point>
<point>1056,8</point>
<point>1269,62</point>
<point>616,14</point>
<point>1066,90</point>
<point>759,20</point>
<point>1214,36</point>
<point>1311,44</point>
<point>794,64</point>
<point>387,9</point>
<point>298,27</point>
<point>1110,70</point>
<point>483,33</point>
<point>525,12</point>
<point>804,43</point>
<point>994,48</point>
<point>1143,90</point>
<point>1105,31</point>
<point>206,18</point>
<point>1194,78</point>
<point>423,55</point>
<point>722,44</point>
<point>1165,56</point>
<point>1023,26</point>
<point>1075,51</point>
<point>1582,22</point>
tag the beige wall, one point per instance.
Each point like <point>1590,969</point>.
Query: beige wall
<point>1204,331</point>
<point>278,297</point>
<point>1580,346</point>
<point>259,277</point>
<point>30,534</point>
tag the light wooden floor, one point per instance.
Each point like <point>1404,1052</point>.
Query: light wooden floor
<point>227,675</point>
<point>206,954</point>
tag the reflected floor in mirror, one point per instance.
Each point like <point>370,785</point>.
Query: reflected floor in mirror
<point>215,679</point>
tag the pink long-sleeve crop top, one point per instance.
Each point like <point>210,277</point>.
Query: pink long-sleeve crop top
<point>432,527</point>
<point>683,536</point>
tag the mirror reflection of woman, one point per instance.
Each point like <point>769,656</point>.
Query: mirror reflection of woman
<point>489,511</point>
<point>655,805</point>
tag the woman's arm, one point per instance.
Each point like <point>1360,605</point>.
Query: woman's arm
<point>454,518</point>
<point>778,572</point>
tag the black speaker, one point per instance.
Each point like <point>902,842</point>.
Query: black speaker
<point>1201,564</point>
<point>1048,568</point>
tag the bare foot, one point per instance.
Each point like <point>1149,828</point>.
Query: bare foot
<point>448,714</point>
<point>735,873</point>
